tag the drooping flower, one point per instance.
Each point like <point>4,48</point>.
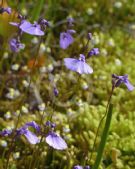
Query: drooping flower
<point>94,51</point>
<point>32,29</point>
<point>118,80</point>
<point>31,137</point>
<point>78,65</point>
<point>7,10</point>
<point>66,39</point>
<point>27,27</point>
<point>15,45</point>
<point>55,141</point>
<point>77,167</point>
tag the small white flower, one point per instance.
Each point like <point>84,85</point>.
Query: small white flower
<point>104,52</point>
<point>24,11</point>
<point>85,86</point>
<point>25,83</point>
<point>79,103</point>
<point>3,143</point>
<point>90,11</point>
<point>15,67</point>
<point>7,115</point>
<point>25,68</point>
<point>42,48</point>
<point>16,155</point>
<point>25,109</point>
<point>13,93</point>
<point>34,40</point>
<point>43,69</point>
<point>66,129</point>
<point>118,4</point>
<point>50,68</point>
<point>5,55</point>
<point>111,42</point>
<point>95,40</point>
<point>118,62</point>
<point>48,49</point>
<point>17,112</point>
<point>41,107</point>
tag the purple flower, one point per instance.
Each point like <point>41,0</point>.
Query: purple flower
<point>55,91</point>
<point>27,27</point>
<point>34,125</point>
<point>77,167</point>
<point>70,21</point>
<point>6,132</point>
<point>71,31</point>
<point>50,124</point>
<point>15,45</point>
<point>78,65</point>
<point>43,22</point>
<point>55,141</point>
<point>89,36</point>
<point>32,29</point>
<point>94,51</point>
<point>122,79</point>
<point>31,137</point>
<point>7,10</point>
<point>80,167</point>
<point>66,39</point>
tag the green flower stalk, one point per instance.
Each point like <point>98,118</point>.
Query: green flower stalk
<point>103,137</point>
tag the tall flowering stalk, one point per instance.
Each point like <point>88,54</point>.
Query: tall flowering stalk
<point>116,82</point>
<point>33,29</point>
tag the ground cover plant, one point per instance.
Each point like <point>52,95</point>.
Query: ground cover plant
<point>67,84</point>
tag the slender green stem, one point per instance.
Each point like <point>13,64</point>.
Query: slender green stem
<point>18,119</point>
<point>109,100</point>
<point>36,151</point>
<point>103,137</point>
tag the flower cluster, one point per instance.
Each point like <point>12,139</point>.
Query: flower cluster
<point>52,138</point>
<point>79,65</point>
<point>37,29</point>
<point>66,38</point>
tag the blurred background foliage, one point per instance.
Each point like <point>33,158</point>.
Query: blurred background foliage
<point>81,102</point>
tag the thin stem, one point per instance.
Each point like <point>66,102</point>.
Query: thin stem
<point>103,137</point>
<point>85,47</point>
<point>109,100</point>
<point>36,151</point>
<point>18,119</point>
<point>82,50</point>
